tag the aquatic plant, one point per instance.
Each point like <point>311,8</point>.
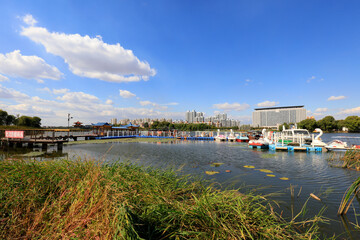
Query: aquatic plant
<point>84,199</point>
<point>346,201</point>
<point>351,159</point>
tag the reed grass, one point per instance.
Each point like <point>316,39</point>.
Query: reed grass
<point>85,199</point>
<point>351,159</point>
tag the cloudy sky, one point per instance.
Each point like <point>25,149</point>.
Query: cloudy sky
<point>99,60</point>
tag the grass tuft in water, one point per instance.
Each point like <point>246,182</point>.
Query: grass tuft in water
<point>83,199</point>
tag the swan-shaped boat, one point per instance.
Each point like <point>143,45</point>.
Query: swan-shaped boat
<point>220,138</point>
<point>242,137</point>
<point>231,137</point>
<point>262,143</point>
<point>317,142</point>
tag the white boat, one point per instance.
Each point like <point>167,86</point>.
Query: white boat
<point>219,137</point>
<point>295,135</point>
<point>337,145</point>
<point>262,142</point>
<point>231,137</point>
<point>317,142</point>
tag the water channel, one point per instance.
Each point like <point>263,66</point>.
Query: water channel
<point>303,172</point>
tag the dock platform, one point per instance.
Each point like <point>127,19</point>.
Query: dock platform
<point>304,148</point>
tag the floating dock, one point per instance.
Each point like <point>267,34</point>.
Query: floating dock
<point>304,148</point>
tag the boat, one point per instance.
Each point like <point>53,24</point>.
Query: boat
<point>317,142</point>
<point>337,145</point>
<point>242,137</point>
<point>219,137</point>
<point>262,143</point>
<point>231,137</point>
<point>294,136</point>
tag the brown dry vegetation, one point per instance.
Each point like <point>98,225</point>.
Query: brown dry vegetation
<point>83,199</point>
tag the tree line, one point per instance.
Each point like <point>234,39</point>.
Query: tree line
<point>167,126</point>
<point>26,121</point>
<point>329,124</point>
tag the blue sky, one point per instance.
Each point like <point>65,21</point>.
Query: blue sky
<point>133,59</point>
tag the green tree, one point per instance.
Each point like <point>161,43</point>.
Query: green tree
<point>10,120</point>
<point>36,122</point>
<point>3,116</point>
<point>25,121</point>
<point>328,123</point>
<point>309,124</point>
<point>146,125</point>
<point>352,123</point>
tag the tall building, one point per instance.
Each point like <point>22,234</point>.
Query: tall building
<point>219,120</point>
<point>275,116</point>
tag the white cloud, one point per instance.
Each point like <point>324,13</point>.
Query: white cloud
<point>321,110</point>
<point>351,111</point>
<point>231,107</point>
<point>29,67</point>
<point>11,93</point>
<point>91,57</point>
<point>3,78</point>
<point>333,98</point>
<point>126,94</point>
<point>109,102</point>
<point>84,107</point>
<point>145,103</point>
<point>60,91</point>
<point>155,105</point>
<point>78,97</point>
<point>29,20</point>
<point>310,79</point>
<point>267,104</point>
<point>172,104</point>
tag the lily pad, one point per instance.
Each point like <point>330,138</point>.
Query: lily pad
<point>211,172</point>
<point>284,178</point>
<point>216,164</point>
<point>270,175</point>
<point>248,166</point>
<point>267,155</point>
<point>265,170</point>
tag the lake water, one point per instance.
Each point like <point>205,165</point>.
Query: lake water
<point>306,172</point>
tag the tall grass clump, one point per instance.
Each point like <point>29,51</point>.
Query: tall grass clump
<point>82,199</point>
<point>351,159</point>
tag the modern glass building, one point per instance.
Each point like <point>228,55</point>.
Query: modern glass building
<point>275,116</point>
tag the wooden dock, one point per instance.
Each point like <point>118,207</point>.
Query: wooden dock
<point>31,143</point>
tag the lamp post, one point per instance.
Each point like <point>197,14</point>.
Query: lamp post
<point>69,120</point>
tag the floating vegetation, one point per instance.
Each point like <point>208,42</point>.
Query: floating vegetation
<point>227,171</point>
<point>32,154</point>
<point>216,164</point>
<point>267,155</point>
<point>265,170</point>
<point>284,178</point>
<point>248,166</point>
<point>211,172</point>
<point>270,175</point>
<point>350,160</point>
<point>315,197</point>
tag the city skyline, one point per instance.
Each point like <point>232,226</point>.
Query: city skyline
<point>140,59</point>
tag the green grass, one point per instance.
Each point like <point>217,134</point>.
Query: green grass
<point>84,199</point>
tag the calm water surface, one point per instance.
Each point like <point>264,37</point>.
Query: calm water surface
<point>307,172</point>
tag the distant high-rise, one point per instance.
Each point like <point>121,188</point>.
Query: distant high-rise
<point>220,119</point>
<point>275,116</point>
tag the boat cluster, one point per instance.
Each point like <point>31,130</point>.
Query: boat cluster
<point>300,139</point>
